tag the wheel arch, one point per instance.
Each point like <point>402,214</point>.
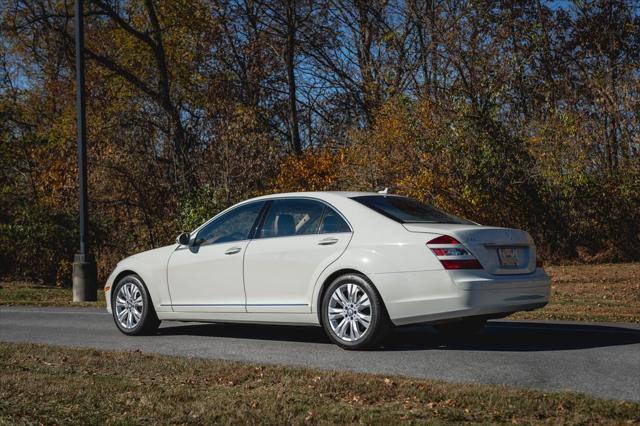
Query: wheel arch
<point>123,274</point>
<point>332,277</point>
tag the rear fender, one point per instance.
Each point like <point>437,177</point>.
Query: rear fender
<point>381,259</point>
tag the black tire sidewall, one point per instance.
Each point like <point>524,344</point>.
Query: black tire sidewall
<point>146,319</point>
<point>379,322</point>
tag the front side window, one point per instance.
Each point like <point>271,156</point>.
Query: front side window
<point>408,210</point>
<point>288,217</point>
<point>234,225</point>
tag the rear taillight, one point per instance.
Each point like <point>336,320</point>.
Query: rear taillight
<point>539,263</point>
<point>461,264</point>
<point>452,254</point>
<point>444,239</point>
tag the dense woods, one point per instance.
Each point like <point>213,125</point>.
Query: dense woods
<point>512,113</point>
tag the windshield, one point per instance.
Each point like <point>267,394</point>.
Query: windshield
<point>408,210</point>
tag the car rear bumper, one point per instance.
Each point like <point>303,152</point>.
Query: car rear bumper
<point>432,296</point>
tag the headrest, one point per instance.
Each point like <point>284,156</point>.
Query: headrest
<point>284,225</point>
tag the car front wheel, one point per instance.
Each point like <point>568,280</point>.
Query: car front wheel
<point>132,309</point>
<point>353,314</point>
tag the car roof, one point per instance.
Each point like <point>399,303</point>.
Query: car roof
<point>316,194</point>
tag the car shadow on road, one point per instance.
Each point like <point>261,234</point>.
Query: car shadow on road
<point>496,336</point>
<point>522,336</point>
<point>285,333</point>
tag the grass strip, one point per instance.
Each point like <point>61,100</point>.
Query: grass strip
<point>46,384</point>
<point>25,293</point>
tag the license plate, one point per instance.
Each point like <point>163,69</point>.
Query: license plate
<point>508,256</point>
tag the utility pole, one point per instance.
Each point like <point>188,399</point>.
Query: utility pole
<point>84,265</point>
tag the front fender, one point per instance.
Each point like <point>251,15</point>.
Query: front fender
<point>151,266</point>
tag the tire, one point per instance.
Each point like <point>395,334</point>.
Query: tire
<point>132,308</point>
<point>464,328</point>
<point>353,308</point>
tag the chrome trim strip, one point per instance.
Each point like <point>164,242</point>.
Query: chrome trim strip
<point>237,304</point>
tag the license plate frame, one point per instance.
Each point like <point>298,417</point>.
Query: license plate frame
<point>508,257</point>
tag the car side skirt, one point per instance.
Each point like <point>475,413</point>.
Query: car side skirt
<point>306,318</point>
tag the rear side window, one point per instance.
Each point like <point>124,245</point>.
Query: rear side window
<point>289,217</point>
<point>333,223</point>
<point>408,210</point>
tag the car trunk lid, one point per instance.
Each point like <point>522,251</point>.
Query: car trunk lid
<point>501,251</point>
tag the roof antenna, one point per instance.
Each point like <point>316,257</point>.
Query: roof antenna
<point>384,191</point>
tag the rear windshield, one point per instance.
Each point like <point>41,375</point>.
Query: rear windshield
<point>407,210</point>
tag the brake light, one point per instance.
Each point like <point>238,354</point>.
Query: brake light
<point>444,239</point>
<point>452,254</point>
<point>461,264</point>
<point>539,263</point>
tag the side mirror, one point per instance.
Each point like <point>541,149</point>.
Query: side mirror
<point>183,239</point>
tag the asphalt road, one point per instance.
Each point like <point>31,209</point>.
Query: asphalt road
<point>598,359</point>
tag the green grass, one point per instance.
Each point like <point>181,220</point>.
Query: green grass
<point>43,384</point>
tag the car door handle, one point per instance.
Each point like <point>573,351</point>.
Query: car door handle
<point>328,241</point>
<point>233,250</point>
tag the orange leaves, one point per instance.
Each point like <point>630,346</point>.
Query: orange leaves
<point>396,151</point>
<point>314,170</point>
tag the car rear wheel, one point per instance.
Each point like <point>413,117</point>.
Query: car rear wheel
<point>353,314</point>
<point>132,309</point>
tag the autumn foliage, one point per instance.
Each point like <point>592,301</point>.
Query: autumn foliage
<point>522,114</point>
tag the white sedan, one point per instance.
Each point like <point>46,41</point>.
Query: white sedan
<point>355,263</point>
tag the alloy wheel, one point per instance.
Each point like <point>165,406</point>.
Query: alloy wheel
<point>349,312</point>
<point>129,305</point>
